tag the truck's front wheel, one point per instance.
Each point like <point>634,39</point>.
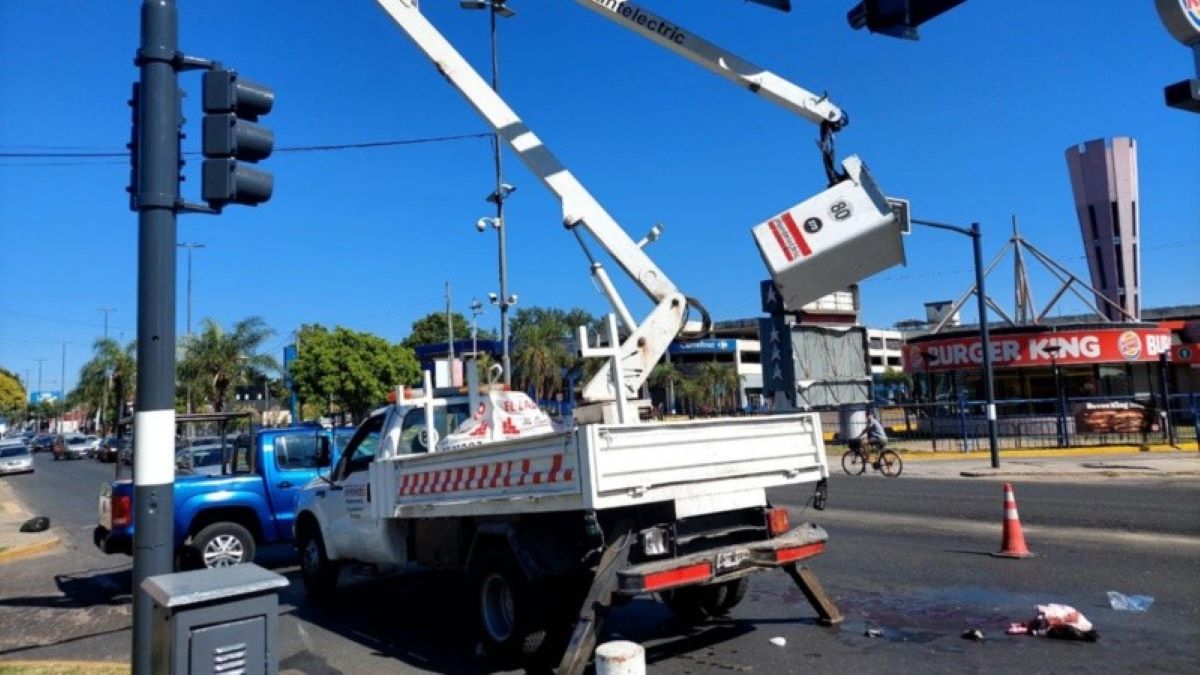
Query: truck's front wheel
<point>512,618</point>
<point>223,544</point>
<point>317,571</point>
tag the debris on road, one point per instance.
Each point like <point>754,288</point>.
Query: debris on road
<point>1129,603</point>
<point>873,633</point>
<point>38,524</point>
<point>778,641</point>
<point>1061,622</point>
<point>972,634</point>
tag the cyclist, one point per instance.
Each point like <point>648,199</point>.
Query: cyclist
<point>874,434</point>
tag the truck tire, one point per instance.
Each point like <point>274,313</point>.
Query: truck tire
<point>222,545</point>
<point>511,615</point>
<point>317,571</point>
<point>694,604</point>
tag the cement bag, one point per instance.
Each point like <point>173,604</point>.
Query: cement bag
<point>500,416</point>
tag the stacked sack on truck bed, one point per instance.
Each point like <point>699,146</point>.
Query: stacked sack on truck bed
<point>500,416</point>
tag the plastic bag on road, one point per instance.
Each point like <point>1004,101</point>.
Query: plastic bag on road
<point>1129,603</point>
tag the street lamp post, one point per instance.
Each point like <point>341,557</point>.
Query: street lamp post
<point>976,235</point>
<point>476,310</point>
<point>189,246</point>
<point>1060,422</point>
<point>503,190</point>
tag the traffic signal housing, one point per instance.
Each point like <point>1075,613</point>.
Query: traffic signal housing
<point>231,139</point>
<point>898,18</point>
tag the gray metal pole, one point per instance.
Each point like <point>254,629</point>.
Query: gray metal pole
<point>63,382</point>
<point>106,310</point>
<point>988,388</point>
<point>503,226</point>
<point>450,340</point>
<point>157,193</point>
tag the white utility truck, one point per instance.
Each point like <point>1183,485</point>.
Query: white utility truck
<point>554,523</point>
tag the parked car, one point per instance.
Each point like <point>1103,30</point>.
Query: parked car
<point>15,457</point>
<point>74,447</point>
<point>42,443</point>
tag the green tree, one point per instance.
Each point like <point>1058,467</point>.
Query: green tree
<point>215,359</point>
<point>718,385</point>
<point>431,329</point>
<point>667,377</point>
<point>12,395</point>
<point>355,369</point>
<point>106,381</point>
<point>540,353</point>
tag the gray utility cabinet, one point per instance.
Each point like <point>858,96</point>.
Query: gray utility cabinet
<point>216,621</point>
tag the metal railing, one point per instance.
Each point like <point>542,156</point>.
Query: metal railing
<point>949,426</point>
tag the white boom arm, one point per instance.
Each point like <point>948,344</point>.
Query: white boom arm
<point>666,33</point>
<point>648,341</point>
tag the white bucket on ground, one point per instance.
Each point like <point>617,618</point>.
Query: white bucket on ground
<point>620,657</point>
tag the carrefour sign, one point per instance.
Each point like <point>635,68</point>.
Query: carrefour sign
<point>1042,349</point>
<point>704,346</point>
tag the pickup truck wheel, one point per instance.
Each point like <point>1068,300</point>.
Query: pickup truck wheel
<point>223,544</point>
<point>512,618</point>
<point>694,604</point>
<point>317,571</point>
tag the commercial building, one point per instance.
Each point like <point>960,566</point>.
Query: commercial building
<point>1104,181</point>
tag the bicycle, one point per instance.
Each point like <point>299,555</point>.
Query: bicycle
<point>856,459</point>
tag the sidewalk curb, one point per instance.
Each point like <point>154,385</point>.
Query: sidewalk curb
<point>16,553</point>
<point>1106,473</point>
<point>51,666</point>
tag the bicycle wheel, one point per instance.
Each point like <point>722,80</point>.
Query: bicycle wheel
<point>854,463</point>
<point>890,464</point>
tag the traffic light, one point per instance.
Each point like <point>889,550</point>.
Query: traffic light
<point>231,105</point>
<point>898,18</point>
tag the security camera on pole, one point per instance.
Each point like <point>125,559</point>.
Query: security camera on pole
<point>156,161</point>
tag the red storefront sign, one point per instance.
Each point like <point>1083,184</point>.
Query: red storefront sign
<point>1075,347</point>
<point>1186,353</point>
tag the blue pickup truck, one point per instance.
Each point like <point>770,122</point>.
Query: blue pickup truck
<point>224,514</point>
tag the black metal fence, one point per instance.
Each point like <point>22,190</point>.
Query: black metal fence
<point>950,426</point>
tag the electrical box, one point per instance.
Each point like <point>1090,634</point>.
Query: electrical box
<point>832,240</point>
<point>212,621</point>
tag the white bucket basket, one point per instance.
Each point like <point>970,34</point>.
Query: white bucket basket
<point>837,238</point>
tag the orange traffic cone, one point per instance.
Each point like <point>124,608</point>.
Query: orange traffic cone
<point>1013,545</point>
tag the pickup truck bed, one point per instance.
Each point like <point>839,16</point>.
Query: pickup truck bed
<point>596,467</point>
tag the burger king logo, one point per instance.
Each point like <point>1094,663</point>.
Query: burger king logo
<point>1130,345</point>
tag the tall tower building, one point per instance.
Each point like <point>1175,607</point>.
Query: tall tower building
<point>1105,182</point>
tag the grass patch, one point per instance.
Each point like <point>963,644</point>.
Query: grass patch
<point>63,668</point>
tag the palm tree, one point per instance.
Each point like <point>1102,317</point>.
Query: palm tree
<point>214,359</point>
<point>717,380</point>
<point>107,379</point>
<point>666,376</point>
<point>538,359</point>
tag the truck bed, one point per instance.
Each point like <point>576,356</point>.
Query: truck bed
<point>701,465</point>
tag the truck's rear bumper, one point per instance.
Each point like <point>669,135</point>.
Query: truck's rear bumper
<point>110,542</point>
<point>724,563</point>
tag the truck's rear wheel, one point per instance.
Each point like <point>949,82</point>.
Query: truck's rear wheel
<point>512,618</point>
<point>697,603</point>
<point>222,545</point>
<point>319,574</point>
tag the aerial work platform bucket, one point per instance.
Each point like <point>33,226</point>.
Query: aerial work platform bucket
<point>837,238</point>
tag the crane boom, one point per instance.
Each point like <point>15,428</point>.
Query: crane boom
<point>579,207</point>
<point>666,33</point>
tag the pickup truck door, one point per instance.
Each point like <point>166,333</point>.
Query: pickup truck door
<point>349,521</point>
<point>292,463</point>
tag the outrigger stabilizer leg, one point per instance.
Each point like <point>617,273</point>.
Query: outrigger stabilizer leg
<point>597,603</point>
<point>828,614</point>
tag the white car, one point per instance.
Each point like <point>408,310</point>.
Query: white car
<point>78,447</point>
<point>15,457</point>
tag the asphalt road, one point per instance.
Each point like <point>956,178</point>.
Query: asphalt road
<point>909,556</point>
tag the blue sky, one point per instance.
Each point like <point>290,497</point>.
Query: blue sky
<point>970,123</point>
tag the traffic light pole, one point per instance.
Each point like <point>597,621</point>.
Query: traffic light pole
<point>156,199</point>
